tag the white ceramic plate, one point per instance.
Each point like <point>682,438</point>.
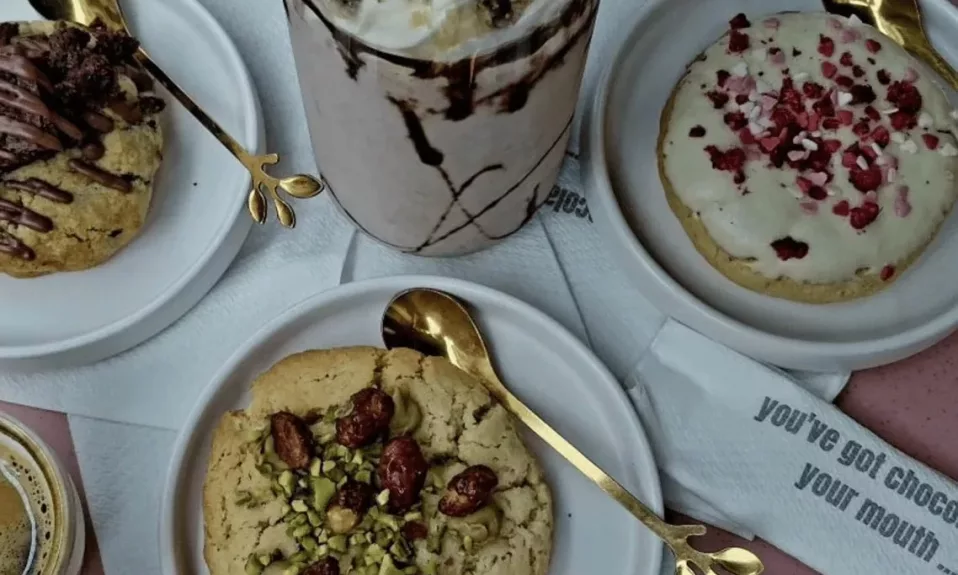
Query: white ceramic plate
<point>196,223</point>
<point>620,162</point>
<point>545,365</point>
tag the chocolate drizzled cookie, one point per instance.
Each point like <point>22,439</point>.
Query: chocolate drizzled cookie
<point>78,133</point>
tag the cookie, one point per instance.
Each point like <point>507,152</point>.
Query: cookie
<point>468,444</point>
<point>80,144</point>
<point>808,158</point>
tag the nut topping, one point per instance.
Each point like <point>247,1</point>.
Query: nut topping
<point>327,566</point>
<point>402,471</point>
<point>372,411</point>
<point>469,491</point>
<point>292,439</point>
<point>348,507</point>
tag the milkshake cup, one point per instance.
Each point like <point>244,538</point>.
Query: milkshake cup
<point>440,125</point>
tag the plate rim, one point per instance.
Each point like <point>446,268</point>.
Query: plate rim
<point>174,476</point>
<point>674,299</point>
<point>254,138</point>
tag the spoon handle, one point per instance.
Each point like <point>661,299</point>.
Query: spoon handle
<point>605,482</point>
<point>299,186</point>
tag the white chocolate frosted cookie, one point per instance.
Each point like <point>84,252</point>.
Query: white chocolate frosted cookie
<point>808,158</point>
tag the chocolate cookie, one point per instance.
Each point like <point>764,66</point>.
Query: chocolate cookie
<point>80,143</point>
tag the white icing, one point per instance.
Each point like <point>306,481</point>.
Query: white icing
<point>746,225</point>
<point>455,27</point>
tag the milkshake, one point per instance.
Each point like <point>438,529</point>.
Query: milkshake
<point>41,519</point>
<point>440,125</point>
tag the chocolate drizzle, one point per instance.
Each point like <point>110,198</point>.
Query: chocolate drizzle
<point>42,189</point>
<point>23,216</point>
<point>101,177</point>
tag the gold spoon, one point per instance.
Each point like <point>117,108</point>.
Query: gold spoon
<point>85,12</point>
<point>901,21</point>
<point>435,323</point>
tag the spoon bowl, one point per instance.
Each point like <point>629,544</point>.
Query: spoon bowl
<point>901,21</point>
<point>436,323</point>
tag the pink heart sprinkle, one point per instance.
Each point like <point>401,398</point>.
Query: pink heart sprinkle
<point>911,75</point>
<point>797,155</point>
<point>871,197</point>
<point>849,35</point>
<point>902,207</point>
<point>818,178</point>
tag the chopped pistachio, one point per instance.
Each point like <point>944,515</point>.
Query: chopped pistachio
<point>371,570</point>
<point>300,557</point>
<point>322,550</point>
<point>430,568</point>
<point>384,538</point>
<point>270,446</point>
<point>292,570</point>
<point>338,543</point>
<point>383,498</point>
<point>314,518</point>
<point>264,559</point>
<point>253,566</point>
<point>388,567</point>
<point>299,506</point>
<point>285,509</point>
<point>287,481</point>
<point>341,482</point>
<point>467,543</point>
<point>323,490</point>
<point>351,468</point>
<point>316,467</point>
<point>298,520</point>
<point>326,438</point>
<point>370,538</point>
<point>308,543</point>
<point>412,516</point>
<point>321,536</point>
<point>376,553</point>
<point>302,531</point>
<point>400,550</point>
<point>357,458</point>
<point>340,519</point>
<point>389,521</point>
<point>364,476</point>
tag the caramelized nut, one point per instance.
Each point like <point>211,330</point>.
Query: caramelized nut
<point>292,440</point>
<point>469,491</point>
<point>327,566</point>
<point>402,470</point>
<point>372,411</point>
<point>348,507</point>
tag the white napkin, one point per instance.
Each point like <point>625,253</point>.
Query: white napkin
<point>524,266</point>
<point>788,466</point>
<point>158,382</point>
<point>619,320</point>
<point>123,469</point>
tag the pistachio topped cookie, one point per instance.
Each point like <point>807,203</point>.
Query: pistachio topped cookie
<point>80,143</point>
<point>359,461</point>
<point>809,157</point>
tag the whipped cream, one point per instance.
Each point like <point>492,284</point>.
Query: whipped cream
<point>420,27</point>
